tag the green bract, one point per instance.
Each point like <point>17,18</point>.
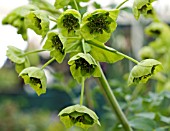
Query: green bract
<point>79,116</point>
<point>16,19</point>
<point>69,23</point>
<point>83,65</point>
<point>16,56</point>
<point>142,7</point>
<point>99,24</point>
<point>38,21</point>
<point>143,71</point>
<point>36,78</point>
<point>55,46</point>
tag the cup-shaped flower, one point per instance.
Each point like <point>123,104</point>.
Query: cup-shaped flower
<point>78,115</point>
<point>69,23</point>
<point>55,46</point>
<point>83,65</point>
<point>143,7</point>
<point>38,21</point>
<point>36,78</point>
<point>16,56</point>
<point>16,19</point>
<point>99,24</point>
<point>143,71</point>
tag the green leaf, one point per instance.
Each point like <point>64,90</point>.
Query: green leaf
<point>69,23</point>
<point>38,21</point>
<point>99,24</point>
<point>143,7</point>
<point>78,115</point>
<point>36,78</point>
<point>16,19</point>
<point>103,53</point>
<point>143,124</point>
<point>16,56</point>
<point>143,71</point>
<point>83,65</point>
<point>55,46</point>
<point>61,3</point>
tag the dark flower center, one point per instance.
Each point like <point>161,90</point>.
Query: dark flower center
<point>37,22</point>
<point>35,81</point>
<point>84,65</point>
<point>57,44</point>
<point>70,22</point>
<point>99,22</point>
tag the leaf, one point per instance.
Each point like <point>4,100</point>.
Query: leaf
<point>143,71</point>
<point>36,78</point>
<point>16,19</point>
<point>78,115</point>
<point>99,24</point>
<point>55,46</point>
<point>83,65</point>
<point>143,124</point>
<point>105,54</point>
<point>38,21</point>
<point>68,23</point>
<point>61,3</point>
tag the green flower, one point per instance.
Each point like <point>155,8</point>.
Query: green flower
<point>79,116</point>
<point>17,56</point>
<point>55,46</point>
<point>69,22</point>
<point>143,7</point>
<point>36,78</point>
<point>143,71</point>
<point>147,52</point>
<point>83,65</point>
<point>38,21</point>
<point>16,18</point>
<point>99,24</point>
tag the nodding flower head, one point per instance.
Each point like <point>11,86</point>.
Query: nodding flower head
<point>36,78</point>
<point>99,24</point>
<point>57,44</point>
<point>69,22</point>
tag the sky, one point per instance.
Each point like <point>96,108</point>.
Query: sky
<point>8,35</point>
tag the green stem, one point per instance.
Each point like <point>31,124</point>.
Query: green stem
<point>113,51</point>
<point>76,5</point>
<point>82,91</point>
<point>112,99</point>
<point>32,52</point>
<point>47,63</point>
<point>83,45</point>
<point>53,20</point>
<point>121,4</point>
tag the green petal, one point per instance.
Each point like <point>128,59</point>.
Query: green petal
<point>38,21</point>
<point>143,71</point>
<point>78,115</point>
<point>36,78</point>
<point>61,3</point>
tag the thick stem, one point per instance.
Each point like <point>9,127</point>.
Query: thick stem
<point>121,4</point>
<point>47,63</point>
<point>114,104</point>
<point>82,91</point>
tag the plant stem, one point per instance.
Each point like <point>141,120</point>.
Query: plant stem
<point>112,99</point>
<point>76,5</point>
<point>32,52</point>
<point>121,4</point>
<point>53,20</point>
<point>47,63</point>
<point>113,51</point>
<point>82,91</point>
<point>84,49</point>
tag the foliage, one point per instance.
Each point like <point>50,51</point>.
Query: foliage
<point>82,36</point>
